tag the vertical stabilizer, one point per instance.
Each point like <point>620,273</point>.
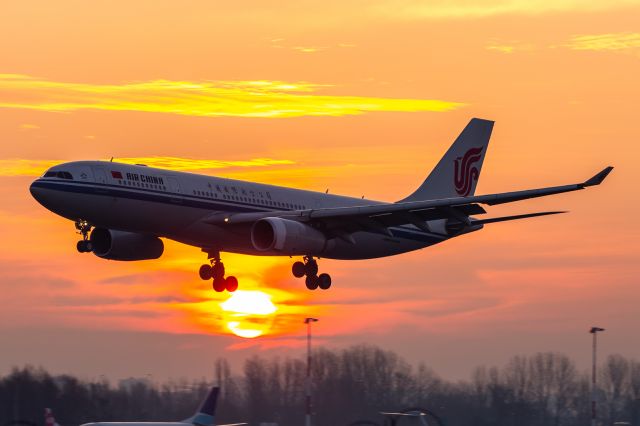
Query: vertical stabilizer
<point>457,173</point>
<point>206,414</point>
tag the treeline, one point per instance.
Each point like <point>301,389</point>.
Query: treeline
<point>349,385</point>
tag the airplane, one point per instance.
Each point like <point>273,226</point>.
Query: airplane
<point>123,210</point>
<point>205,416</point>
<point>416,417</point>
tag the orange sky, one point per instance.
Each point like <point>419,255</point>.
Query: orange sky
<point>362,98</point>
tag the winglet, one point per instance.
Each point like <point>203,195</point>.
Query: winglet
<point>597,179</point>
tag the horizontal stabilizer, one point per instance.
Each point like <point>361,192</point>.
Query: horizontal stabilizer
<point>516,217</point>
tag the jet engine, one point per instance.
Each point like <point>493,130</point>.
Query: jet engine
<point>287,236</point>
<point>120,245</point>
<point>450,227</point>
<point>442,226</point>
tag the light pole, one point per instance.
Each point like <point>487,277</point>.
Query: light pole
<point>594,331</point>
<point>308,321</point>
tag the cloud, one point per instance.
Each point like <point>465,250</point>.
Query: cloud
<point>280,43</point>
<point>308,49</point>
<point>438,9</point>
<point>502,48</point>
<point>509,47</point>
<point>24,167</point>
<point>611,41</point>
<point>597,42</point>
<point>263,99</point>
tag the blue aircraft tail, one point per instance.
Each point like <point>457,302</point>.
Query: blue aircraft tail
<point>206,414</point>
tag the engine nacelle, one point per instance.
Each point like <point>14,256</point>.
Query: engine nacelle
<point>287,236</point>
<point>120,245</point>
<point>440,226</point>
<point>451,227</point>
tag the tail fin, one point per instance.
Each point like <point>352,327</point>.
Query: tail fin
<point>206,414</point>
<point>457,173</point>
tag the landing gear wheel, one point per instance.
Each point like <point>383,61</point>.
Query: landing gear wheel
<point>84,228</point>
<point>299,269</point>
<point>206,272</point>
<point>231,284</point>
<point>219,285</point>
<point>312,282</point>
<point>311,267</point>
<point>324,281</point>
<point>217,270</point>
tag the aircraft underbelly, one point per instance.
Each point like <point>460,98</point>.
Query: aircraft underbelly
<point>369,246</point>
<point>185,224</point>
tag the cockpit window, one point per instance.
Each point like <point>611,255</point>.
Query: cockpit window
<point>60,174</point>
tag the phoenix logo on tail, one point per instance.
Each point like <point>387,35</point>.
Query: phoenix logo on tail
<point>464,171</point>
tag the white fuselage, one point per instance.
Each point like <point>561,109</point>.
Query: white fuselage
<point>175,205</point>
<point>137,424</point>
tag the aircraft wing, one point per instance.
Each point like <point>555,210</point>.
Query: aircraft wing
<point>378,217</point>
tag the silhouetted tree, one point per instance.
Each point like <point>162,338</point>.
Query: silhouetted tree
<point>348,385</point>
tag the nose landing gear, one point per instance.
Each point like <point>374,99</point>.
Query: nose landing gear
<point>83,228</point>
<point>216,271</point>
<point>309,267</point>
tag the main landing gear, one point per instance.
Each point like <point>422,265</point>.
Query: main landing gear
<point>216,271</point>
<point>309,268</point>
<point>84,245</point>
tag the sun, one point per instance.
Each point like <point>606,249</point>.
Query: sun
<point>249,314</point>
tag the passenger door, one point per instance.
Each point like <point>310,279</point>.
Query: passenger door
<point>100,175</point>
<point>101,178</point>
<point>174,189</point>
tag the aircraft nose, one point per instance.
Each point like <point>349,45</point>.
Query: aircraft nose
<point>37,192</point>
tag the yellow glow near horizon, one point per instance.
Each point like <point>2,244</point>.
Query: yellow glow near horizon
<point>249,314</point>
<point>236,328</point>
<point>257,99</point>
